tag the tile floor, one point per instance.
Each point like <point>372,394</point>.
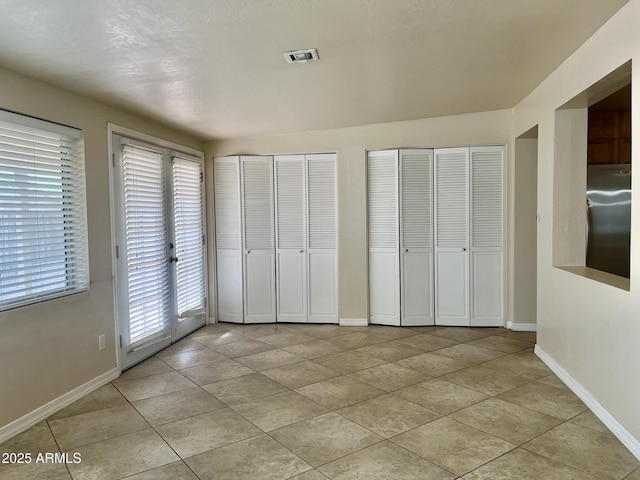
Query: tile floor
<point>312,402</point>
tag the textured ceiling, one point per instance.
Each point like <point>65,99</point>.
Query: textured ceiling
<point>214,67</point>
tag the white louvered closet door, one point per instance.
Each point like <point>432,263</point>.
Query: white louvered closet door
<point>416,244</point>
<point>487,232</point>
<point>322,236</point>
<point>451,171</point>
<point>384,259</point>
<point>229,256</point>
<point>258,237</point>
<point>291,259</point>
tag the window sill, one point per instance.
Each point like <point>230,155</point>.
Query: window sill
<point>600,276</point>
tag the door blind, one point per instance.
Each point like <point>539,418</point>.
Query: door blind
<point>486,198</point>
<point>451,199</point>
<point>188,236</point>
<point>382,183</point>
<point>43,239</point>
<point>258,204</point>
<point>322,202</point>
<point>416,199</point>
<point>146,241</point>
<point>290,202</point>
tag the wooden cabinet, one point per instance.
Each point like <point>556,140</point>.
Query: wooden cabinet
<point>609,137</point>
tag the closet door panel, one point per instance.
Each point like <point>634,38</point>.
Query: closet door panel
<point>453,289</point>
<point>417,289</point>
<point>323,301</point>
<point>384,254</point>
<point>229,273</point>
<point>487,271</point>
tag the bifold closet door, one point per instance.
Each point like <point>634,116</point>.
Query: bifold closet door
<point>384,256</point>
<point>416,250</point>
<point>291,258</point>
<point>487,232</point>
<point>322,234</point>
<point>258,238</point>
<point>452,236</point>
<point>228,238</point>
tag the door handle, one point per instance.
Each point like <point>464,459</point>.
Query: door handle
<point>173,259</point>
<point>406,250</point>
<point>248,252</point>
<point>301,251</point>
<point>464,249</point>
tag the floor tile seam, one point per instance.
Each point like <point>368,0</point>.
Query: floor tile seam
<point>200,364</point>
<point>608,432</point>
<point>117,380</point>
<point>537,411</point>
<point>183,418</point>
<point>55,440</point>
<point>209,450</point>
<point>269,434</point>
<point>159,354</point>
<point>475,389</point>
<point>161,466</point>
<point>160,394</point>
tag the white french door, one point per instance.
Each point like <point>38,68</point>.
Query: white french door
<point>160,254</point>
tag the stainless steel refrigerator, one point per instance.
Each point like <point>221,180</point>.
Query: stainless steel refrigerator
<point>609,218</point>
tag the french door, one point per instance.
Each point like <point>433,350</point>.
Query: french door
<point>160,247</point>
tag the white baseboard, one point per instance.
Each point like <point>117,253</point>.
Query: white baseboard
<point>354,322</point>
<point>211,321</point>
<point>30,419</point>
<point>522,327</point>
<point>628,440</point>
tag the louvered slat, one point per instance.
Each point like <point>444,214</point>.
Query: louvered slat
<point>487,199</point>
<point>322,202</point>
<point>382,183</point>
<point>227,203</point>
<point>289,175</point>
<point>451,199</point>
<point>257,199</point>
<point>416,199</point>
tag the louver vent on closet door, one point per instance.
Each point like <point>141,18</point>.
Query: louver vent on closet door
<point>382,180</point>
<point>227,204</point>
<point>416,200</point>
<point>322,203</point>
<point>258,205</point>
<point>290,198</point>
<point>451,199</point>
<point>486,202</point>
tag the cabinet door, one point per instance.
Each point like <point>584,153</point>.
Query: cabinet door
<point>384,257</point>
<point>226,171</point>
<point>258,237</point>
<point>291,259</point>
<point>452,236</point>
<point>322,259</point>
<point>416,236</point>
<point>487,228</point>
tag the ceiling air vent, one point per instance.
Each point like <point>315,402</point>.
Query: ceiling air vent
<point>301,56</point>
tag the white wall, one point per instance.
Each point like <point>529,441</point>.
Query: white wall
<point>590,329</point>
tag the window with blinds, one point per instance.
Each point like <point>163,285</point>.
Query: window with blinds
<point>43,226</point>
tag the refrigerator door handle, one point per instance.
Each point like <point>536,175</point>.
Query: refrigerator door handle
<point>588,227</point>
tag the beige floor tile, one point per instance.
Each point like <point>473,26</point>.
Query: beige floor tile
<point>314,349</point>
<point>634,476</point>
<point>339,392</point>
<point>521,464</point>
<point>388,415</point>
<point>243,347</point>
<point>270,359</point>
<point>502,344</point>
<point>347,362</point>
<point>279,410</point>
<point>122,456</point>
<point>286,339</point>
<point>300,374</point>
<point>557,402</point>
<point>194,435</point>
<point>216,372</point>
<point>596,453</point>
<point>427,342</point>
<point>384,461</point>
<point>505,420</point>
<point>33,470</point>
<point>427,329</point>
<point>177,405</point>
<point>213,328</point>
<point>524,364</point>
<point>485,380</point>
<point>151,366</point>
<point>324,438</point>
<point>219,338</point>
<point>153,385</point>
<point>390,351</point>
<point>463,334</point>
<point>589,420</point>
<point>309,475</point>
<point>244,389</point>
<point>355,340</point>
<point>431,364</point>
<point>192,358</point>
<point>440,396</point>
<point>390,333</point>
<point>324,331</point>
<point>523,336</point>
<point>37,439</point>
<point>184,345</point>
<point>104,397</point>
<point>172,471</point>
<point>264,330</point>
<point>470,354</point>
<point>452,445</point>
<point>552,380</point>
<point>268,460</point>
<point>389,377</point>
<point>91,427</point>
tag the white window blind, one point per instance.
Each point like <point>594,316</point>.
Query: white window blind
<point>189,237</point>
<point>146,241</point>
<point>43,232</point>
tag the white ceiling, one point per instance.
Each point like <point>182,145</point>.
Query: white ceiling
<point>214,67</point>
